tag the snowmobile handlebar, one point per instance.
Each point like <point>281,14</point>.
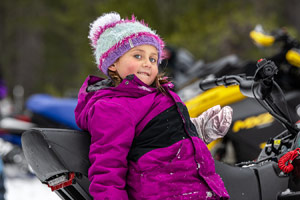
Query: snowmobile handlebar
<point>245,83</point>
<point>258,86</point>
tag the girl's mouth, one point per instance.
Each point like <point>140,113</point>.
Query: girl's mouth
<point>144,73</point>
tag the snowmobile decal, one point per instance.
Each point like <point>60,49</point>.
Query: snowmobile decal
<point>253,121</point>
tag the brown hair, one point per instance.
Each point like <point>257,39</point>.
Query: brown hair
<point>157,83</point>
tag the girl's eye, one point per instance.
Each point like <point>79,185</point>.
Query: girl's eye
<point>138,56</point>
<point>153,60</point>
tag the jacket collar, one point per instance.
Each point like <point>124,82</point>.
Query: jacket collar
<point>131,81</point>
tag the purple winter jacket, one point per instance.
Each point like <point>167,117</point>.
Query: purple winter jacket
<point>143,144</point>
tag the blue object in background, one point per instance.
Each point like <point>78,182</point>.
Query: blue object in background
<point>12,138</point>
<point>2,187</point>
<point>1,166</point>
<point>60,110</point>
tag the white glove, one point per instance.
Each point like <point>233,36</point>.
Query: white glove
<point>213,123</point>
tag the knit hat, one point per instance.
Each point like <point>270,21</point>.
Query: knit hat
<point>112,36</point>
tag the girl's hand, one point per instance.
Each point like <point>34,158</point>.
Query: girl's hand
<point>213,123</point>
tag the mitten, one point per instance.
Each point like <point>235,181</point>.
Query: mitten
<point>213,123</point>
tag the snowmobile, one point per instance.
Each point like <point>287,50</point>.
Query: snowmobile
<point>59,157</point>
<point>252,126</point>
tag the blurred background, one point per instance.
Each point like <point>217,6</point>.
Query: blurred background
<point>44,45</point>
<point>44,49</point>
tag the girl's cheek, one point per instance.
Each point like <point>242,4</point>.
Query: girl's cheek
<point>131,69</point>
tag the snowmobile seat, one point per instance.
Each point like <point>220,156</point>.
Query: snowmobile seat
<point>59,158</point>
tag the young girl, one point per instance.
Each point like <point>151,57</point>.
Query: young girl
<point>143,143</point>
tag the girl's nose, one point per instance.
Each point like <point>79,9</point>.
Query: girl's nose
<point>147,63</point>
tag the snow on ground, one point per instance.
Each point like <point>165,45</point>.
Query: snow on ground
<point>29,188</point>
<point>25,187</point>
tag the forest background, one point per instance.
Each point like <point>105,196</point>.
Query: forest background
<point>44,45</point>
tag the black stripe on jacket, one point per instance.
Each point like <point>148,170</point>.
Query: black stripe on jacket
<point>165,129</point>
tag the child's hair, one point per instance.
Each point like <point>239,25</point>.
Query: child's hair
<point>111,37</point>
<point>159,80</point>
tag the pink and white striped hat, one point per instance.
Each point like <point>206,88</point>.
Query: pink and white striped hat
<point>112,36</point>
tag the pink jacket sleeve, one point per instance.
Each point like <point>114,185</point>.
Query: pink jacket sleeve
<point>112,131</point>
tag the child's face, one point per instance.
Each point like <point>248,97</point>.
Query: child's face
<point>140,61</point>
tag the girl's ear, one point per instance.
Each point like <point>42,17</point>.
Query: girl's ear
<point>112,68</point>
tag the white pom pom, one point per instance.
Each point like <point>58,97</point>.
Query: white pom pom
<point>101,21</point>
